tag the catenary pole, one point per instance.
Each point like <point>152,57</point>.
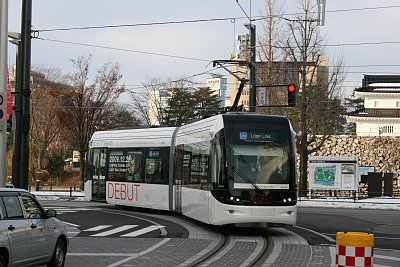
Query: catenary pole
<point>3,88</point>
<point>26,90</point>
<point>253,88</point>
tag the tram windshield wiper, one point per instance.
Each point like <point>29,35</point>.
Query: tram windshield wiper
<point>248,180</point>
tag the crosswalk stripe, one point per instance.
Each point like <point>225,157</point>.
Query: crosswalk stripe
<point>62,210</point>
<point>143,231</point>
<point>97,228</point>
<point>386,257</point>
<point>116,230</point>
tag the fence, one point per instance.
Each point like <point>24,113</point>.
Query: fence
<point>345,195</point>
<point>53,189</point>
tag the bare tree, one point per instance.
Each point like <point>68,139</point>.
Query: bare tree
<point>45,128</point>
<point>86,104</point>
<point>118,117</point>
<point>272,69</point>
<point>318,110</point>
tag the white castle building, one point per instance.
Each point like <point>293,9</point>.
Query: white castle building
<point>381,112</point>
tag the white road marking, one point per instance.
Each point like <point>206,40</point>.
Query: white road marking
<point>143,231</point>
<point>116,230</point>
<point>97,228</point>
<point>386,257</point>
<point>163,231</point>
<point>71,224</point>
<point>324,235</point>
<point>118,263</point>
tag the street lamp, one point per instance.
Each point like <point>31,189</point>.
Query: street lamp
<point>321,12</point>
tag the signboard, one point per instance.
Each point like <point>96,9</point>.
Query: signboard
<point>255,137</point>
<point>364,170</point>
<point>75,156</point>
<point>336,173</point>
<point>261,96</point>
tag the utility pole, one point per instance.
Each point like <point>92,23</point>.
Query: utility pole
<point>253,88</point>
<point>3,90</point>
<point>26,25</point>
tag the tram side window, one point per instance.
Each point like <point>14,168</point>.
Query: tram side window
<point>217,167</point>
<point>186,164</point>
<point>199,165</point>
<point>99,163</point>
<point>153,166</point>
<point>117,165</point>
<point>134,160</point>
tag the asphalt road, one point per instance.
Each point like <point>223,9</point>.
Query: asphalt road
<point>101,234</point>
<point>93,220</point>
<point>384,224</point>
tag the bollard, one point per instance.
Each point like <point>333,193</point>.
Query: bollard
<point>354,249</point>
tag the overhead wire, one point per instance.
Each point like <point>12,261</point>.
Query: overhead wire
<point>216,20</point>
<point>123,49</point>
<point>206,20</point>
<point>208,60</point>
<point>232,19</point>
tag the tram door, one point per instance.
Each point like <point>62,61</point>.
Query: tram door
<point>178,179</point>
<point>182,159</point>
<point>98,164</point>
<point>178,195</point>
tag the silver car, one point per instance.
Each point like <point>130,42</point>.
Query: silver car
<point>29,235</point>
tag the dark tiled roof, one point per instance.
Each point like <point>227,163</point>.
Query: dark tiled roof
<point>376,112</point>
<point>391,89</point>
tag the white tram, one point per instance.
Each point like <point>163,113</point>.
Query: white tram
<point>229,168</point>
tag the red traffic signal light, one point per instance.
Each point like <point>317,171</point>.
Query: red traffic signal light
<point>291,89</point>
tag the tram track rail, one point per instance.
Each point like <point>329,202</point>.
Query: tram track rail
<point>212,253</point>
<point>232,249</point>
<point>228,243</point>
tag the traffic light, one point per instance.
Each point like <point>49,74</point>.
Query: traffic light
<point>291,93</point>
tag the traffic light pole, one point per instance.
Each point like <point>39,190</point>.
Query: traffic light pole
<point>3,90</point>
<point>17,155</point>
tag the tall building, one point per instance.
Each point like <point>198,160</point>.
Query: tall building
<point>381,112</point>
<point>219,87</point>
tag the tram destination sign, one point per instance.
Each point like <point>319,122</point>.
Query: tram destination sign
<point>256,137</point>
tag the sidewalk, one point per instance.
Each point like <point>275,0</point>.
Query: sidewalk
<point>385,203</point>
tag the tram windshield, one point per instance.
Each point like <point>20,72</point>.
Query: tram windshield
<point>260,160</point>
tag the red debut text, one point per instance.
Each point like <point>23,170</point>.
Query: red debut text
<point>123,191</point>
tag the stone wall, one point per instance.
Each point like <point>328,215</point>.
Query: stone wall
<point>382,152</point>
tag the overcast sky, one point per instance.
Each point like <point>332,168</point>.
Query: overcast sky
<point>190,47</point>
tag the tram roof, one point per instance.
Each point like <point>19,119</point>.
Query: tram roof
<point>138,137</point>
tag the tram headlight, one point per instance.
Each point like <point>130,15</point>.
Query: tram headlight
<point>231,198</point>
<point>284,200</point>
<point>289,199</point>
<point>237,199</point>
